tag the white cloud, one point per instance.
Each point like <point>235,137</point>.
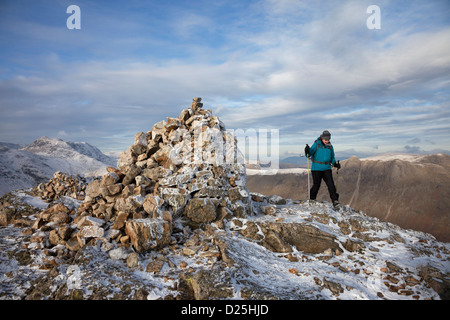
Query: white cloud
<point>300,67</point>
<point>61,134</point>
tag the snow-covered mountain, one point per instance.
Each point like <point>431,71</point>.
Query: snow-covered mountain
<point>25,167</point>
<point>70,150</point>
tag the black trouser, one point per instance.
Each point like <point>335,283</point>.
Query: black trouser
<point>327,176</point>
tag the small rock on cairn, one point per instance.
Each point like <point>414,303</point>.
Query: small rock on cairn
<point>196,104</point>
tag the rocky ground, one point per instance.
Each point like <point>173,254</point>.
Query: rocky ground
<point>286,251</point>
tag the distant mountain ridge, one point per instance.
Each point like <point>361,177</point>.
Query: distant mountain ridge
<point>60,148</point>
<point>27,166</point>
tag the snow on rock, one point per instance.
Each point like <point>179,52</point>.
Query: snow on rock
<point>148,234</point>
<point>27,199</point>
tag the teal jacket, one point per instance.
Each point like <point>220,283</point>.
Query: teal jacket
<point>322,156</point>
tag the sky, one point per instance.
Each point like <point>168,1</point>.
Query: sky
<point>298,67</point>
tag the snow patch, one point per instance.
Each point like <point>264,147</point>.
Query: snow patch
<point>395,156</point>
<point>268,172</point>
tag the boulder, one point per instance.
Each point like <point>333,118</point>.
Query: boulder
<point>6,215</point>
<point>93,189</point>
<point>114,189</point>
<point>153,173</point>
<point>212,285</point>
<point>201,210</point>
<point>152,204</point>
<point>89,221</point>
<point>132,172</point>
<point>148,234</point>
<point>109,179</point>
<point>119,253</point>
<point>126,158</point>
<point>305,237</point>
<point>91,232</point>
<point>279,237</point>
<point>439,281</point>
<point>119,223</point>
<point>133,260</point>
<point>158,129</point>
<point>61,217</point>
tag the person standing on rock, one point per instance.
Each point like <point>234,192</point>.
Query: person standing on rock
<point>321,154</point>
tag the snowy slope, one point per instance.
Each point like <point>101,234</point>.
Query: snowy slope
<point>269,172</point>
<point>28,166</point>
<point>388,264</point>
<point>408,157</point>
<point>67,150</point>
<point>395,156</point>
<point>360,274</point>
<point>21,169</point>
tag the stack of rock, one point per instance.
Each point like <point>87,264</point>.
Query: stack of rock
<point>186,168</point>
<point>61,185</point>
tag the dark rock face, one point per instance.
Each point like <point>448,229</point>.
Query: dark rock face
<point>279,237</point>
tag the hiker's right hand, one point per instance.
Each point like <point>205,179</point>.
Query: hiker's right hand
<point>307,150</point>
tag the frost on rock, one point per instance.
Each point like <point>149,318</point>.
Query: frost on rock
<point>148,234</point>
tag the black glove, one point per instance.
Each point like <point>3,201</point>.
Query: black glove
<point>337,165</point>
<point>307,150</point>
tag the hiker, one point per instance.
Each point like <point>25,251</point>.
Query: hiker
<point>322,157</point>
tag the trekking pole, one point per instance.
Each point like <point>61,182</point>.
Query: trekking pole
<point>307,162</point>
<point>337,177</point>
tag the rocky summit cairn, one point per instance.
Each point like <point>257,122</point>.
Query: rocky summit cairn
<point>61,185</point>
<point>187,169</point>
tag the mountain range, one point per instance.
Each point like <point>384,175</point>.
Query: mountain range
<point>26,166</point>
<point>412,191</point>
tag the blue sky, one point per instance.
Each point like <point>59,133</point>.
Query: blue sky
<point>296,66</point>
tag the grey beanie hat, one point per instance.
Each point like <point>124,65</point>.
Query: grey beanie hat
<point>326,135</point>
